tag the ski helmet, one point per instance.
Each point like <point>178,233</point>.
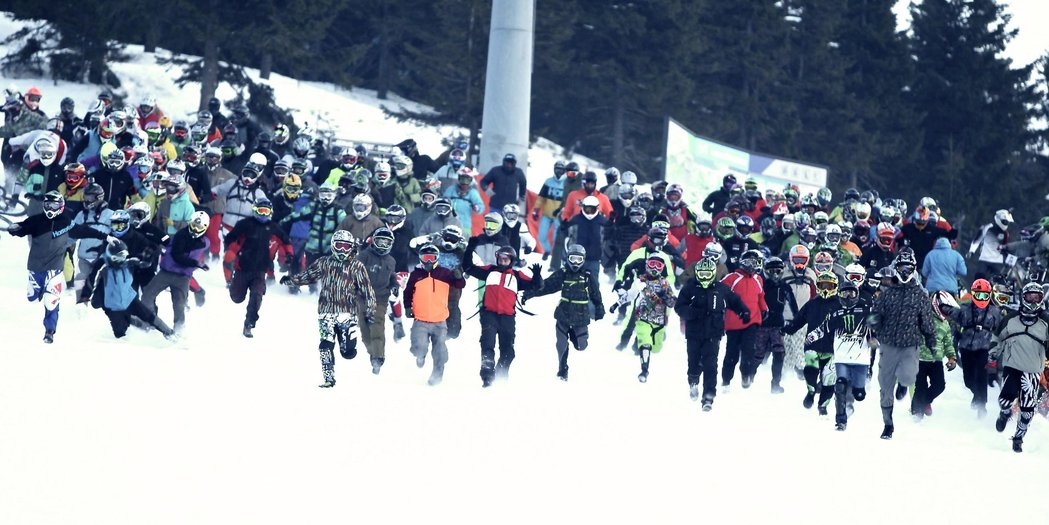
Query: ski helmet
<point>559,168</point>
<point>591,207</point>
<point>627,194</point>
<point>140,213</point>
<point>674,195</point>
<point>326,194</point>
<point>382,240</point>
<point>395,216</point>
<point>511,214</point>
<point>905,265</point>
<point>941,299</point>
<point>706,270</point>
<point>655,264</point>
<point>451,237</point>
<point>94,196</point>
<point>704,229</point>
<point>1002,219</point>
<point>774,268</point>
<point>493,224</point>
<point>1032,298</point>
<point>824,197</point>
<point>799,257</point>
<point>646,201</point>
<point>981,291</point>
<point>1001,295</point>
<point>826,284</point>
<point>823,262</point>
<point>726,228</point>
<point>198,223</point>
<point>750,261</point>
<point>119,223</point>
<point>744,225</point>
<point>442,207</point>
<point>575,257</point>
<point>116,253</point>
<point>54,204</point>
<point>728,181</point>
<point>505,257</point>
<point>628,177</point>
<point>855,273</point>
<point>848,294</point>
<point>428,255</point>
<point>343,244</point>
<point>611,175</point>
<point>637,215</point>
<point>362,206</point>
<point>713,251</point>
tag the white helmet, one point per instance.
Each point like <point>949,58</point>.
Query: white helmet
<point>593,204</point>
<point>833,234</point>
<point>362,206</point>
<point>863,211</point>
<point>198,223</point>
<point>140,213</point>
<point>1002,219</point>
<point>46,151</point>
<point>493,223</point>
<point>713,250</point>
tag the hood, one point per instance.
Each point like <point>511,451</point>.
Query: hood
<point>943,244</point>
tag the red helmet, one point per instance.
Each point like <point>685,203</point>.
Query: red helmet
<point>981,292</point>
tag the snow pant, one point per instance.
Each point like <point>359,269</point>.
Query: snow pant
<point>298,257</point>
<point>649,341</point>
<point>179,286</point>
<point>849,376</point>
<point>974,372</point>
<point>563,334</point>
<point>455,315</point>
<point>819,376</point>
<point>83,274</point>
<point>928,385</point>
<point>341,328</point>
<point>794,351</point>
<point>239,288</point>
<point>495,325</point>
<point>212,234</point>
<point>47,288</point>
<point>703,361</point>
<point>120,320</point>
<point>896,364</point>
<point>739,348</point>
<point>430,337</point>
<point>557,251</point>
<point>374,335</point>
<point>1022,387</point>
<point>770,340</point>
<point>547,228</point>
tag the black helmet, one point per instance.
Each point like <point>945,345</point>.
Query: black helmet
<point>116,252</point>
<point>774,267</point>
<point>848,293</point>
<point>852,194</point>
<point>573,166</point>
<point>382,240</point>
<point>510,158</point>
<point>590,176</point>
<point>505,252</point>
<point>575,257</point>
<point>94,196</point>
<point>637,215</point>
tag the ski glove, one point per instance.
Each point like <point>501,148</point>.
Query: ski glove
<point>951,363</point>
<point>599,314</point>
<point>408,312</point>
<point>536,269</point>
<point>745,316</point>
<point>286,280</point>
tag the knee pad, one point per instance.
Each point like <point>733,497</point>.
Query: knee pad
<point>859,394</point>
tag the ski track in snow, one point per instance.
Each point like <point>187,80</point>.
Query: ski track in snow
<point>218,428</point>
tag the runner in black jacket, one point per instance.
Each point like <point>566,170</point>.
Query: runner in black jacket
<point>249,243</point>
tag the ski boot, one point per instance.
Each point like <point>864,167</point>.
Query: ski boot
<point>708,404</point>
<point>377,364</point>
<point>776,389</point>
<point>1018,445</point>
<point>645,351</point>
<point>49,337</point>
<point>198,296</point>
<point>420,360</point>
<point>810,398</point>
<point>821,410</point>
<point>562,373</point>
<point>247,330</point>
<point>327,383</point>
<point>886,433</point>
<point>886,416</point>
<point>486,382</point>
<point>901,392</point>
<point>693,391</point>
<point>839,426</point>
<point>747,381</point>
<point>436,377</point>
<point>999,424</point>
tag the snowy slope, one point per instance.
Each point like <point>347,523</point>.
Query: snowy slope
<point>219,429</point>
<point>354,114</point>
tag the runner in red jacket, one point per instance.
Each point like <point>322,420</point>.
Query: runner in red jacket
<point>739,344</point>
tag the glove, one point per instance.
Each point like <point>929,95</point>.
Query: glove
<point>204,266</point>
<point>599,314</point>
<point>745,317</point>
<point>952,363</point>
<point>535,214</point>
<point>613,308</point>
<point>369,318</point>
<point>408,312</point>
<point>286,280</point>
<point>536,269</point>
<point>527,249</point>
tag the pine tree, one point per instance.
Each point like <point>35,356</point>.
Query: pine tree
<point>977,106</point>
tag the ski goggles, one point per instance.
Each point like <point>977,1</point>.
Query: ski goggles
<point>703,229</point>
<point>655,264</point>
<point>857,278</point>
<point>33,98</point>
<point>349,158</point>
<point>263,211</point>
<point>982,296</point>
<point>342,246</point>
<point>1034,297</point>
<point>55,206</point>
<point>428,258</point>
<point>848,293</point>
<point>281,171</point>
<point>119,226</point>
<point>576,259</point>
<point>383,243</point>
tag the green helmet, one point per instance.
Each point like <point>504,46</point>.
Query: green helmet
<point>726,228</point>
<point>706,272</point>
